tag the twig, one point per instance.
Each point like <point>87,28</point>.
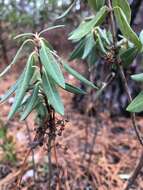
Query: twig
<point>83,158</point>
<point>127,90</point>
<point>135,173</point>
<point>32,151</point>
<point>125,84</point>
<point>22,169</point>
<point>56,159</point>
<point>93,143</point>
<point>49,162</point>
<point>49,124</point>
<point>113,25</point>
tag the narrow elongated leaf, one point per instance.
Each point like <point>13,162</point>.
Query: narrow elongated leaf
<point>11,90</point>
<point>41,111</point>
<point>68,10</point>
<point>138,77</point>
<point>93,57</point>
<point>15,58</point>
<point>78,51</point>
<point>86,27</point>
<point>128,56</point>
<point>137,104</point>
<point>124,5</point>
<point>73,89</point>
<point>47,44</point>
<point>51,66</point>
<point>89,44</point>
<point>78,76</point>
<point>104,35</point>
<point>96,4</point>
<point>125,27</point>
<point>101,45</point>
<point>52,94</point>
<point>23,86</point>
<point>51,28</point>
<point>23,35</point>
<point>31,103</point>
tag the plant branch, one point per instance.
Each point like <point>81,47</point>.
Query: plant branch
<point>50,125</point>
<point>127,90</point>
<point>135,173</point>
<point>112,22</point>
<point>32,151</point>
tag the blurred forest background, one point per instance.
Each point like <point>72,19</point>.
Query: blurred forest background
<point>98,148</point>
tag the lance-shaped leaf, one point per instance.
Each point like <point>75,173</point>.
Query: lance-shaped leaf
<point>78,51</point>
<point>124,5</point>
<point>73,89</point>
<point>24,35</point>
<point>52,94</point>
<point>104,35</point>
<point>68,10</point>
<point>23,86</point>
<point>128,56</point>
<point>41,111</point>
<point>51,28</point>
<point>125,28</point>
<point>89,44</point>
<point>101,45</point>
<point>15,58</point>
<point>51,66</point>
<point>137,77</point>
<point>78,76</point>
<point>47,44</point>
<point>86,27</point>
<point>10,91</point>
<point>96,4</point>
<point>31,103</point>
<point>137,104</point>
<point>93,57</point>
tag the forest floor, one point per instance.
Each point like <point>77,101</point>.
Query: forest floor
<point>92,153</point>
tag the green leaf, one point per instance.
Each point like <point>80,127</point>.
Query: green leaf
<point>137,77</point>
<point>47,44</point>
<point>51,66</point>
<point>137,104</point>
<point>31,103</point>
<point>12,89</point>
<point>23,35</point>
<point>124,5</point>
<point>68,10</point>
<point>104,35</point>
<point>101,45</point>
<point>87,27</point>
<point>23,86</point>
<point>78,76</point>
<point>96,4</point>
<point>125,27</point>
<point>78,51</point>
<point>41,111</point>
<point>93,57</point>
<point>15,58</point>
<point>52,94</point>
<point>128,56</point>
<point>89,44</point>
<point>9,92</point>
<point>51,28</point>
<point>73,89</point>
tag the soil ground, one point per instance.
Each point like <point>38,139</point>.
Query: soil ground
<point>92,154</point>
